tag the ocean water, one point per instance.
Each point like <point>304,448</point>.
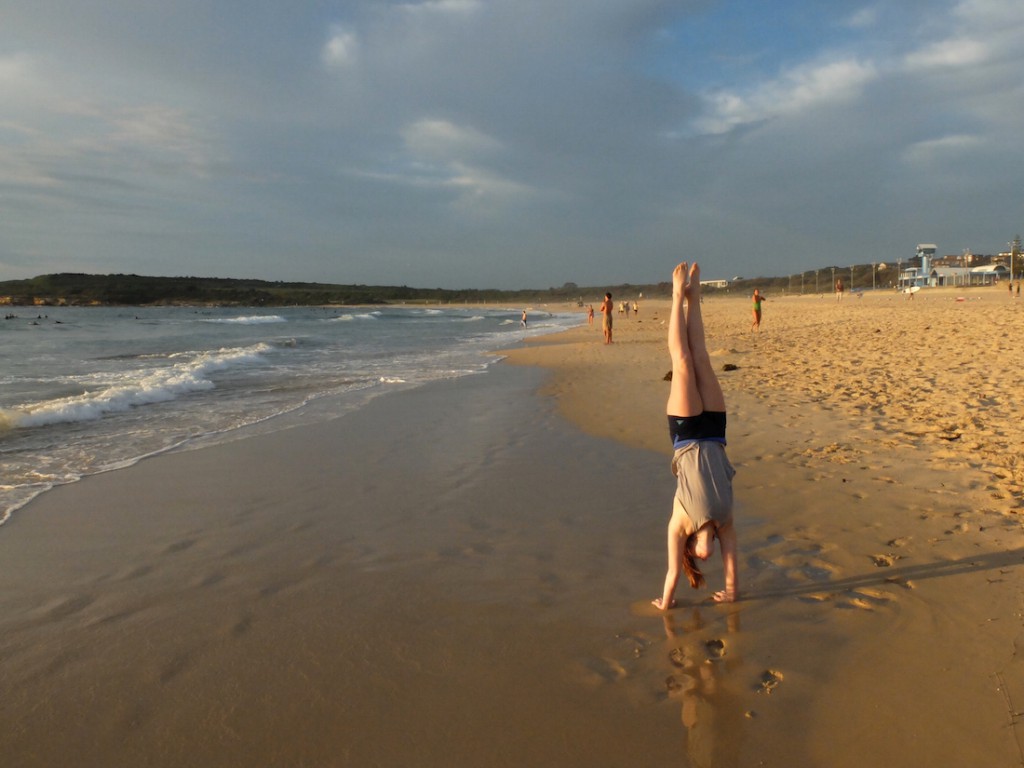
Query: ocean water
<point>87,390</point>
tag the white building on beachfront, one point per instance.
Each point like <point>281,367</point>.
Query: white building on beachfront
<point>927,276</point>
<point>989,274</point>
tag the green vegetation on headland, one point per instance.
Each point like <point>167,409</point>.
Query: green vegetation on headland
<point>136,290</point>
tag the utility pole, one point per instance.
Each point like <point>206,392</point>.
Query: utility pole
<point>1014,253</point>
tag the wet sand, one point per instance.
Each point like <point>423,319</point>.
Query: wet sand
<point>461,574</point>
<point>880,474</point>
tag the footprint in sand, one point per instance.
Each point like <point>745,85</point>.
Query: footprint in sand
<point>816,597</point>
<point>900,581</point>
<point>180,546</point>
<point>867,599</point>
<point>716,649</point>
<point>67,607</point>
<point>884,561</point>
<point>857,602</point>
<point>770,680</point>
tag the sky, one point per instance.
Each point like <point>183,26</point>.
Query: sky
<point>504,143</point>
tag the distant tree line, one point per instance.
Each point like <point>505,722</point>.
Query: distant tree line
<point>137,290</point>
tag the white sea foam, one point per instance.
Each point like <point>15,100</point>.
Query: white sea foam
<point>135,388</point>
<point>120,389</point>
<point>358,316</point>
<point>248,320</point>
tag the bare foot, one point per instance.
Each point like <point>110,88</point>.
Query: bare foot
<point>693,282</point>
<point>725,596</point>
<point>679,279</point>
<point>657,603</point>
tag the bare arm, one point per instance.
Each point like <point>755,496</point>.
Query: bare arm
<point>727,538</point>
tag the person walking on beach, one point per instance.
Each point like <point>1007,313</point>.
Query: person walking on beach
<point>590,314</point>
<point>606,320</point>
<point>522,320</point>
<point>757,298</point>
<point>702,507</point>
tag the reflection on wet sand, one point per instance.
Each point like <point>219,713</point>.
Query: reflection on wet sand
<point>704,682</point>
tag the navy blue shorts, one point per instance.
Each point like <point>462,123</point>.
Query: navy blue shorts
<point>709,425</point>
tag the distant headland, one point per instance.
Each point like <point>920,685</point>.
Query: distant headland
<point>69,289</point>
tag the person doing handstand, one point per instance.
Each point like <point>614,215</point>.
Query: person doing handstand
<point>702,508</point>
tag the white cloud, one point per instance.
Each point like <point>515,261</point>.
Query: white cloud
<point>980,32</point>
<point>863,18</point>
<point>14,71</point>
<point>442,140</point>
<point>159,130</point>
<point>991,13</point>
<point>482,190</point>
<point>449,156</point>
<point>443,6</point>
<point>942,148</point>
<point>945,54</point>
<point>342,48</point>
<point>794,93</point>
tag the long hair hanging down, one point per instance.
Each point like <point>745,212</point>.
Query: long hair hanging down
<point>693,574</point>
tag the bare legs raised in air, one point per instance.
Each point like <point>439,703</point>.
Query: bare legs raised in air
<point>695,389</point>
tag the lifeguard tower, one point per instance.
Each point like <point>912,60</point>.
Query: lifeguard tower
<point>919,276</point>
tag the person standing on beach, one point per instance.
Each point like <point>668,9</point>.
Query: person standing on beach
<point>522,321</point>
<point>606,321</point>
<point>757,298</point>
<point>702,507</point>
<point>839,288</point>
<point>590,314</point>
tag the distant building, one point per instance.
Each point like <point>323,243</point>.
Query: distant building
<point>949,271</point>
<point>988,274</point>
<point>714,283</point>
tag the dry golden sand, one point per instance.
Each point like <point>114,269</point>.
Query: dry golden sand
<point>880,460</point>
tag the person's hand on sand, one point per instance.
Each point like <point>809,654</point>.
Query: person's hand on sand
<point>725,596</point>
